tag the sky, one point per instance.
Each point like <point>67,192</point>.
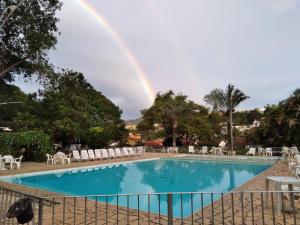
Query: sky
<point>132,49</point>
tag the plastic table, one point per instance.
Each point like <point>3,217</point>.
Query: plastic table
<point>278,181</point>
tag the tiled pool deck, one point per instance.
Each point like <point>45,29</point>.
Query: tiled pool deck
<point>97,212</point>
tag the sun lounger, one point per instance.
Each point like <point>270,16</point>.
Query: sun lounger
<point>91,154</point>
<point>111,153</point>
<point>125,152</point>
<point>98,154</point>
<point>131,152</point>
<point>104,154</point>
<point>76,155</point>
<point>204,150</point>
<point>191,150</point>
<point>84,155</point>
<point>118,153</point>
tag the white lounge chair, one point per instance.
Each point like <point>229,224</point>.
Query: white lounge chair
<point>98,154</point>
<point>131,152</point>
<point>91,154</point>
<point>111,153</point>
<point>125,152</point>
<point>76,155</point>
<point>204,150</point>
<point>84,155</point>
<point>118,153</point>
<point>191,150</point>
<point>139,150</point>
<point>17,162</point>
<point>49,159</point>
<point>104,154</point>
<point>251,151</point>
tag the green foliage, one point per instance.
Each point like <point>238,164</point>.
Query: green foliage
<point>26,37</point>
<point>37,144</point>
<point>281,124</point>
<point>176,117</point>
<point>226,102</point>
<point>247,117</point>
<point>10,93</point>
<point>72,111</point>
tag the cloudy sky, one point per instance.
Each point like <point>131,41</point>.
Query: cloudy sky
<point>132,49</point>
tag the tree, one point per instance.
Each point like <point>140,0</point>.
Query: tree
<point>226,101</point>
<point>281,123</point>
<point>72,111</point>
<point>26,36</point>
<point>179,117</point>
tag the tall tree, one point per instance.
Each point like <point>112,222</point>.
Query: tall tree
<point>226,101</point>
<point>177,116</point>
<point>26,36</point>
<point>71,110</point>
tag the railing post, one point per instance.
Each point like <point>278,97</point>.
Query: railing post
<point>170,208</point>
<point>40,220</point>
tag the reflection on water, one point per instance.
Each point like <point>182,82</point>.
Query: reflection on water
<point>150,177</point>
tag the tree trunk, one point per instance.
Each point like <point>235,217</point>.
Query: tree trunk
<point>231,127</point>
<point>174,133</point>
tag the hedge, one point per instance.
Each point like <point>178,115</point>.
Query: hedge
<point>36,145</point>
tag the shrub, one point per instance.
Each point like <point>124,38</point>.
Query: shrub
<point>35,143</point>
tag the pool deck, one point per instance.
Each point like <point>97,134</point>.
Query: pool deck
<point>280,168</point>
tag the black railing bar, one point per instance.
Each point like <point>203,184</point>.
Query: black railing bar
<point>283,209</point>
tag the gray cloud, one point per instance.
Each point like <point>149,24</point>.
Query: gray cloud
<point>188,46</point>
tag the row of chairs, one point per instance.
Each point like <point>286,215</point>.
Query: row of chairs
<point>110,153</point>
<point>260,151</point>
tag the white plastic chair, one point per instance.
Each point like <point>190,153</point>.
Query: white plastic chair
<point>111,153</point>
<point>76,155</point>
<point>17,162</point>
<point>251,151</point>
<point>191,150</point>
<point>59,157</point>
<point>104,154</point>
<point>68,158</point>
<point>131,152</point>
<point>204,150</point>
<point>84,155</point>
<point>8,159</point>
<point>125,152</point>
<point>91,154</point>
<point>118,153</point>
<point>50,159</point>
<point>98,154</point>
<point>269,152</point>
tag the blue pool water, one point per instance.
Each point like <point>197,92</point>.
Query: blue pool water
<point>163,175</point>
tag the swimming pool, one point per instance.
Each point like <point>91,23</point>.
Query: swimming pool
<point>152,176</point>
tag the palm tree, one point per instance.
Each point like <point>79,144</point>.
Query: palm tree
<point>226,101</point>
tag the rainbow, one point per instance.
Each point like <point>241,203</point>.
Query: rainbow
<point>141,74</point>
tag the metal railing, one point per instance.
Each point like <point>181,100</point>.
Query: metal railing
<point>160,208</point>
<point>276,151</point>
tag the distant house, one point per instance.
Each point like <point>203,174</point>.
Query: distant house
<point>134,138</point>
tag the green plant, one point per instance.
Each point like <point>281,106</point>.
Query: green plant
<point>36,144</point>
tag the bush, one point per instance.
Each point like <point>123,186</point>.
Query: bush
<point>35,143</point>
